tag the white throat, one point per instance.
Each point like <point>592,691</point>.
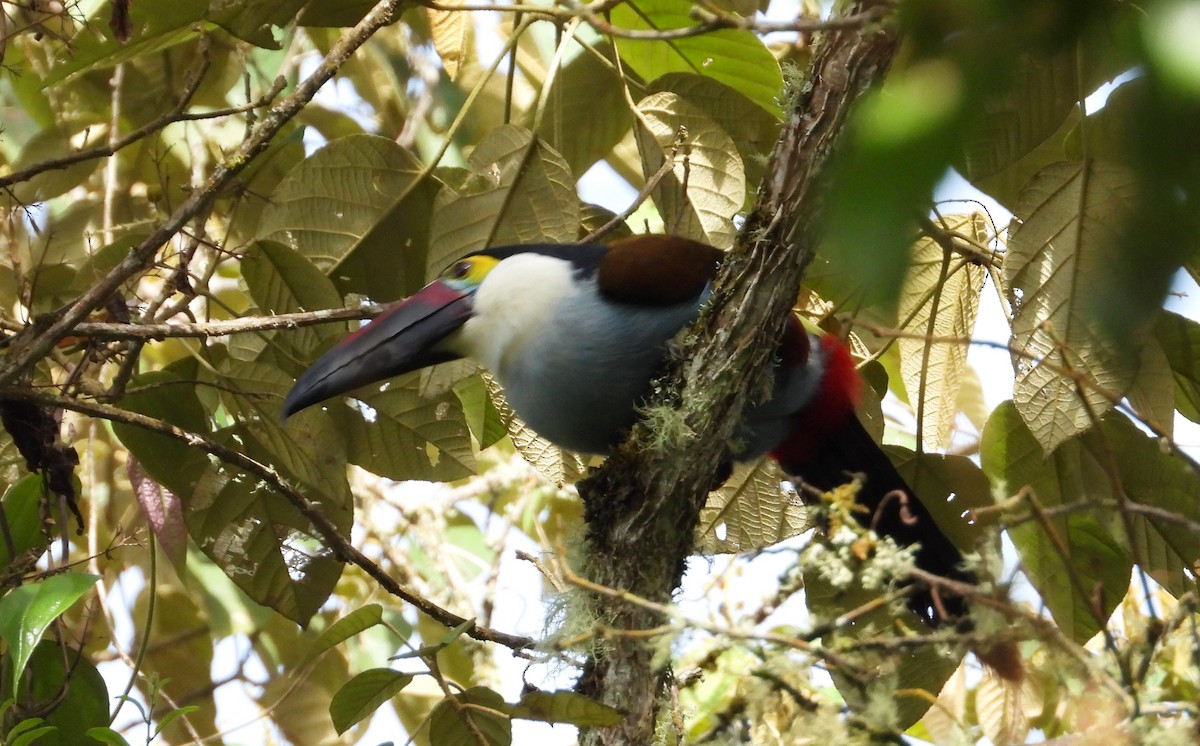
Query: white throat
<point>512,305</point>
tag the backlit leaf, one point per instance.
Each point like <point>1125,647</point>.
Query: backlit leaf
<point>1005,708</point>
<point>453,34</point>
<point>939,300</point>
<point>585,134</point>
<point>753,129</point>
<point>750,510</point>
<point>1071,217</point>
<point>706,184</point>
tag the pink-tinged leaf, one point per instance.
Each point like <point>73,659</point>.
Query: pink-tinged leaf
<point>163,511</point>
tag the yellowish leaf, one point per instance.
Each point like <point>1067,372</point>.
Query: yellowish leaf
<point>706,184</point>
<point>1005,708</point>
<point>1069,222</point>
<point>940,300</point>
<point>453,33</point>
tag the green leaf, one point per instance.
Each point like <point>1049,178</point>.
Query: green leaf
<point>280,281</point>
<point>262,176</point>
<point>706,185</point>
<point>264,544</point>
<point>165,720</point>
<point>1152,393</point>
<point>167,396</point>
<point>1073,561</point>
<point>1179,338</point>
<point>50,143</point>
<point>27,611</point>
<point>21,514</point>
<point>737,58</point>
<point>585,134</point>
<point>257,537</point>
<point>1072,215</point>
<point>363,694</point>
<point>181,615</point>
<point>1159,539</point>
<point>253,394</point>
<point>1026,126</point>
<point>357,209</point>
<point>255,21</point>
<point>341,14</point>
<point>359,620</point>
<point>31,735</point>
<point>482,416</point>
<point>949,487</point>
<point>448,722</point>
<point>566,707</point>
<point>156,28</point>
<point>300,705</point>
<point>896,146</point>
<point>519,191</point>
<point>106,736</point>
<point>75,698</point>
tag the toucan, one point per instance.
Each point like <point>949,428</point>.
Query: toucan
<point>575,333</point>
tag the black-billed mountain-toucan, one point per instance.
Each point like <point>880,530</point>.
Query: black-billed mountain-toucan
<point>575,333</point>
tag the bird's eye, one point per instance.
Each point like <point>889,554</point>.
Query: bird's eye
<point>466,274</point>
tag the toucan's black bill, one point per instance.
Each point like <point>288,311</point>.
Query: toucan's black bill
<point>399,340</point>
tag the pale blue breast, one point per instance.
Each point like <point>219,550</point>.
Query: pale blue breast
<point>576,382</point>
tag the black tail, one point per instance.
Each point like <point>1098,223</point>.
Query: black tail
<point>892,509</point>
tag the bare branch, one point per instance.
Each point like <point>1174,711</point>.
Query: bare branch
<point>243,325</point>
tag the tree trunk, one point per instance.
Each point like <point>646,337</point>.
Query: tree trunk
<point>642,506</point>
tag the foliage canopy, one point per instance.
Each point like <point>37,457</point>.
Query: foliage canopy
<point>202,196</point>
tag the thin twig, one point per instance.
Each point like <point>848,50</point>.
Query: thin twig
<point>644,194</point>
<point>243,325</point>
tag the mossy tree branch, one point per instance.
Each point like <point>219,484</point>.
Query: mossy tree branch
<point>642,507</point>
